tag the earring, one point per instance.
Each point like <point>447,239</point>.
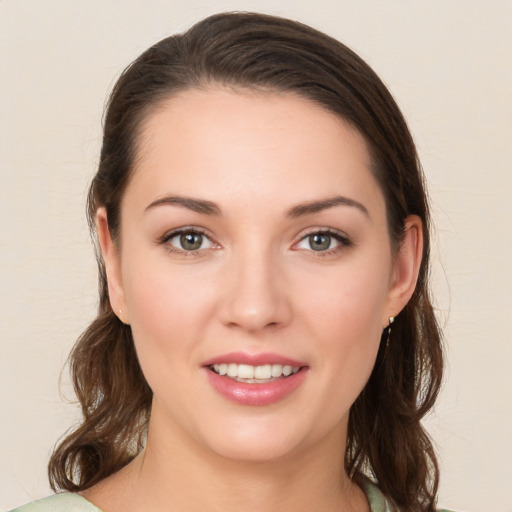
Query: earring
<point>391,320</point>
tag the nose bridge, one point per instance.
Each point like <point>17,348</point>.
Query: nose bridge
<point>256,291</point>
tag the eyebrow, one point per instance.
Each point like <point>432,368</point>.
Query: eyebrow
<point>323,204</point>
<point>196,205</point>
<point>210,208</point>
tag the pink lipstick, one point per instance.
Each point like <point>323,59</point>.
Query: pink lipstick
<point>255,379</point>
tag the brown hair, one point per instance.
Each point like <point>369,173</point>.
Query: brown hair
<point>385,438</point>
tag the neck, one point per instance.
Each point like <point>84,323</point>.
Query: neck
<point>176,475</point>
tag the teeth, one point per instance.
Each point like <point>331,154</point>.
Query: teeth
<point>287,370</point>
<point>245,371</point>
<point>254,373</point>
<point>232,370</point>
<point>263,372</point>
<point>276,370</point>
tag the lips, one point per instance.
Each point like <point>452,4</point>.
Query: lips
<point>255,379</point>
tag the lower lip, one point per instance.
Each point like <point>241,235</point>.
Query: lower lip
<point>266,393</point>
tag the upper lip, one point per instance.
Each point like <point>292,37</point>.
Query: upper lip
<point>259,359</point>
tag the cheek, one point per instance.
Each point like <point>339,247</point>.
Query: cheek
<point>169,308</point>
<point>168,312</point>
<point>344,314</point>
<point>350,300</point>
<point>162,295</point>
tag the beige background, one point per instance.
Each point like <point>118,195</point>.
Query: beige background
<point>449,65</point>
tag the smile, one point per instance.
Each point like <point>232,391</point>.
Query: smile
<point>254,374</point>
<point>258,384</point>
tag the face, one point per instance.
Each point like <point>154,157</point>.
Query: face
<point>255,270</point>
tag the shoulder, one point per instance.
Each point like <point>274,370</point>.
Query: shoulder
<point>377,500</point>
<point>63,502</point>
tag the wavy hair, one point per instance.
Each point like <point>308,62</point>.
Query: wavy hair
<point>386,440</point>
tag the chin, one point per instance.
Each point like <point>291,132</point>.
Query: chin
<point>259,441</point>
<point>255,451</point>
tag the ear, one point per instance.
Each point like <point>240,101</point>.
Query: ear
<point>112,260</point>
<point>406,267</point>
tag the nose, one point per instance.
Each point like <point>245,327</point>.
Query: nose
<point>255,295</point>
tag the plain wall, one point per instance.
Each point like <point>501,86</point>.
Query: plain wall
<point>448,63</point>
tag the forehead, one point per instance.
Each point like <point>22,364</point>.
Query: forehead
<point>227,143</point>
<point>233,112</point>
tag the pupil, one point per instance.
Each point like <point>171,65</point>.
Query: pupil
<point>191,241</point>
<point>320,241</point>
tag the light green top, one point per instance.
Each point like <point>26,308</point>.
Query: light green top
<point>63,502</point>
<point>72,502</point>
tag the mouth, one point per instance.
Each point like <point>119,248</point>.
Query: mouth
<point>250,374</point>
<point>255,379</point>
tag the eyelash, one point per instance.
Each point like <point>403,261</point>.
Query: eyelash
<point>341,238</point>
<point>164,240</point>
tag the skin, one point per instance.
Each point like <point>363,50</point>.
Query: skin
<point>255,285</point>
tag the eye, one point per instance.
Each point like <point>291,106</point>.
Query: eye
<point>324,241</point>
<point>319,241</point>
<point>188,240</point>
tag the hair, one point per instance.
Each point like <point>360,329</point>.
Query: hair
<point>386,440</point>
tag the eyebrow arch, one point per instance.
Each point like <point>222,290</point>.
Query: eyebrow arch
<point>196,205</point>
<point>323,204</point>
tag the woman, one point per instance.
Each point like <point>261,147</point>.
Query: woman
<point>265,338</point>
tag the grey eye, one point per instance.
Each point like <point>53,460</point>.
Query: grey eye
<point>319,241</point>
<point>189,241</point>
<point>323,241</point>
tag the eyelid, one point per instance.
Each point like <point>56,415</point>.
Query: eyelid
<point>326,230</point>
<point>164,239</point>
<point>342,238</point>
